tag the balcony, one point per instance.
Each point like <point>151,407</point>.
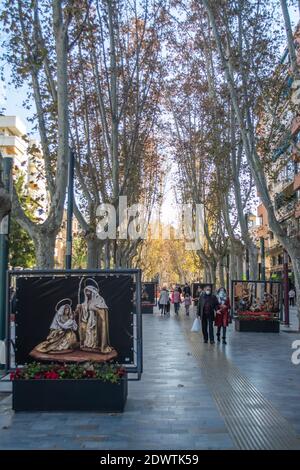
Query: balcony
<point>262,231</point>
<point>273,247</point>
<point>285,185</point>
<point>13,125</point>
<point>287,210</point>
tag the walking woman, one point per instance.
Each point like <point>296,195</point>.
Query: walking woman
<point>176,300</point>
<point>223,314</point>
<point>163,300</point>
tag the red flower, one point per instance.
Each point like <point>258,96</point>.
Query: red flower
<point>90,374</point>
<point>51,375</point>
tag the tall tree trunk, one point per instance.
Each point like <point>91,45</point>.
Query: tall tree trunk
<point>206,273</point>
<point>253,261</point>
<point>221,273</point>
<point>93,252</point>
<point>240,258</point>
<point>249,141</point>
<point>44,234</point>
<point>114,101</point>
<point>232,265</point>
<point>296,267</point>
<point>212,272</point>
<point>5,203</point>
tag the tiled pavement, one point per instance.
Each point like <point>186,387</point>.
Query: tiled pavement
<point>174,406</point>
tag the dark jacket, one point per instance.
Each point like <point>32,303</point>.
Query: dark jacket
<point>187,290</point>
<point>212,302</point>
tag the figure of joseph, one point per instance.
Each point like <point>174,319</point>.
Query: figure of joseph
<point>93,323</point>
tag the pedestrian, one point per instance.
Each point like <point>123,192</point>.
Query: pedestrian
<point>207,306</point>
<point>187,289</point>
<point>223,314</point>
<point>199,292</point>
<point>176,299</point>
<point>164,300</point>
<point>292,295</point>
<point>187,302</point>
<point>179,289</point>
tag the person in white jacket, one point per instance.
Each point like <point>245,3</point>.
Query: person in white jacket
<point>163,300</point>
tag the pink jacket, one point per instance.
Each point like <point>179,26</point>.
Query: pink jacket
<point>176,297</point>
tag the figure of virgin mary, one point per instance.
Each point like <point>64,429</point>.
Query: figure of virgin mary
<point>93,321</point>
<point>62,336</point>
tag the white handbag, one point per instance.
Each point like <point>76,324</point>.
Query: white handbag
<point>196,325</point>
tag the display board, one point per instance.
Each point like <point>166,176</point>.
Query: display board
<point>261,297</point>
<point>148,294</point>
<point>74,318</point>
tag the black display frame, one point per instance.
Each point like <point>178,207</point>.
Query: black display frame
<point>146,304</point>
<point>247,281</point>
<point>135,370</point>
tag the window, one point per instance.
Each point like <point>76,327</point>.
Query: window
<point>280,259</point>
<point>273,260</point>
<point>271,236</point>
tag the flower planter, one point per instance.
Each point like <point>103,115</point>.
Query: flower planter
<point>69,395</point>
<point>257,326</point>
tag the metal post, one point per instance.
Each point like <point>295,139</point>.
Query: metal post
<point>70,209</point>
<point>262,259</point>
<point>286,288</point>
<point>7,162</point>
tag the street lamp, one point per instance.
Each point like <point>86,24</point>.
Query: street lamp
<point>247,251</point>
<point>262,259</point>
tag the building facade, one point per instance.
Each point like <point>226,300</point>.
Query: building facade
<point>28,169</point>
<point>283,179</point>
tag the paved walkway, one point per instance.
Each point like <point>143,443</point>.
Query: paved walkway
<point>191,396</point>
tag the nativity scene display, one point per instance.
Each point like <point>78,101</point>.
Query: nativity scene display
<point>148,293</point>
<point>85,330</point>
<point>256,298</point>
<point>81,324</point>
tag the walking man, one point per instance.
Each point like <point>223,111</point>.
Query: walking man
<point>187,289</point>
<point>207,306</point>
